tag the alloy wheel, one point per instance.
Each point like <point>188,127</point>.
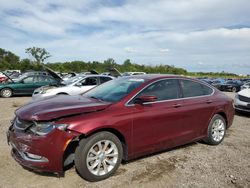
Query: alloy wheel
<point>6,93</point>
<point>102,157</point>
<point>218,130</point>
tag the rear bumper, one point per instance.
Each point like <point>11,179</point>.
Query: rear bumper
<point>40,153</point>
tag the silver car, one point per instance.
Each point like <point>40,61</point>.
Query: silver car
<point>246,86</point>
<point>73,86</point>
<point>242,100</point>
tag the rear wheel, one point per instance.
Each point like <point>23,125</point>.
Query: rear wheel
<point>234,89</point>
<point>98,156</point>
<point>6,92</point>
<point>216,130</point>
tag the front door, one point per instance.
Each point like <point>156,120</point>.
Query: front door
<point>158,125</point>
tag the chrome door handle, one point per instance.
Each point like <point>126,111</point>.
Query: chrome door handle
<point>209,101</point>
<point>177,105</point>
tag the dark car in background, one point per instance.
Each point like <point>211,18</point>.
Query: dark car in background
<point>122,119</point>
<point>231,85</point>
<point>27,83</point>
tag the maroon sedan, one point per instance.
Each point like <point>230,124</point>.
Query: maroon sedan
<point>119,120</point>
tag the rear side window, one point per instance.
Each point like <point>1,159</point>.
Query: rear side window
<point>104,79</point>
<point>90,81</point>
<point>193,89</point>
<point>163,90</point>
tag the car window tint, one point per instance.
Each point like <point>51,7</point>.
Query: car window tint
<point>47,79</point>
<point>206,90</point>
<point>193,89</point>
<point>104,79</point>
<point>89,81</point>
<point>28,80</point>
<point>163,90</point>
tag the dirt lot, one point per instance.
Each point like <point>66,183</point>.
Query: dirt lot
<point>193,165</point>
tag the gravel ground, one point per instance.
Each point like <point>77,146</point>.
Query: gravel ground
<point>193,165</point>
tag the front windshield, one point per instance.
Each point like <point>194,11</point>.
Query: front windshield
<point>73,79</point>
<point>115,90</point>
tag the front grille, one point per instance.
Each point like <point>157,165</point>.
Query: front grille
<point>244,99</point>
<point>243,107</point>
<point>21,125</point>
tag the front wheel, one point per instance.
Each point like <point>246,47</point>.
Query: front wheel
<point>98,156</point>
<point>6,92</point>
<point>216,130</point>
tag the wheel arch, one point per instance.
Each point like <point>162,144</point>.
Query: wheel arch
<point>114,131</point>
<point>72,145</point>
<point>62,93</point>
<point>223,114</point>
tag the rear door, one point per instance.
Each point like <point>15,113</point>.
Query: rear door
<point>198,106</point>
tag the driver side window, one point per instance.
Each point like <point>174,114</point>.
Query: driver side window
<point>163,90</point>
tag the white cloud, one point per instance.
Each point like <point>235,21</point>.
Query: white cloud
<point>211,31</point>
<point>164,50</point>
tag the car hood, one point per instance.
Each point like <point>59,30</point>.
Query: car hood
<point>245,92</point>
<point>59,106</point>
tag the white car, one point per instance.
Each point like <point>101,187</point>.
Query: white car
<point>74,86</point>
<point>246,86</point>
<point>132,73</point>
<point>242,100</point>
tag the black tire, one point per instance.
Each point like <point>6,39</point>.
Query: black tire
<point>6,92</point>
<point>211,132</point>
<point>84,150</point>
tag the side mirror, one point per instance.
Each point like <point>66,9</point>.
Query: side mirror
<point>22,82</point>
<point>145,98</point>
<point>78,84</point>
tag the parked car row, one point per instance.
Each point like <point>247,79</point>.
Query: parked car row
<point>121,119</point>
<point>43,84</point>
<point>228,85</point>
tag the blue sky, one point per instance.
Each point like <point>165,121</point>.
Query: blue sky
<point>198,35</point>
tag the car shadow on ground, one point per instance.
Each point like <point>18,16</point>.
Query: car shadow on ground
<point>186,146</point>
<point>61,175</point>
<point>48,174</point>
<point>242,114</point>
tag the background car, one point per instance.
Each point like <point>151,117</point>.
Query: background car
<point>26,84</point>
<point>119,120</point>
<point>231,85</point>
<point>73,86</point>
<point>2,77</point>
<point>245,86</point>
<point>242,100</point>
<point>132,73</point>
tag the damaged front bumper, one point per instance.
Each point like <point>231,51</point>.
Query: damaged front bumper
<point>40,153</point>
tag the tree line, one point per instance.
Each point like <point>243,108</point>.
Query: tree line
<point>9,60</point>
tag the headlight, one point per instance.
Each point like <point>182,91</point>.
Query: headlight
<point>43,128</point>
<point>237,96</point>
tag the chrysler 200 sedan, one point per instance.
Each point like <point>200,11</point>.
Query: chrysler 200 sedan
<point>119,120</point>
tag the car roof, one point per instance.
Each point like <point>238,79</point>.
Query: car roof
<point>154,76</point>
